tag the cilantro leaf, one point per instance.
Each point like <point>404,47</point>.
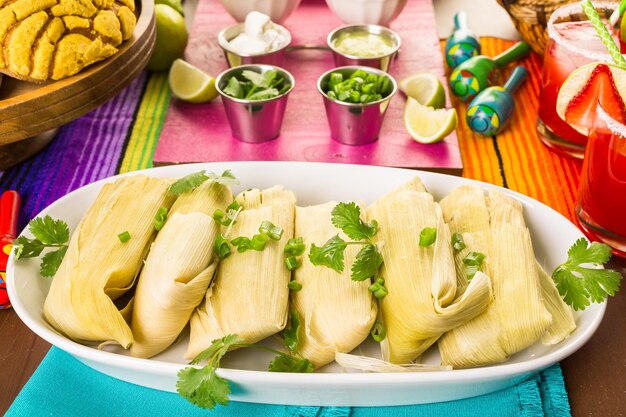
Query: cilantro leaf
<point>51,261</point>
<point>367,262</point>
<point>347,217</point>
<point>27,248</point>
<point>234,88</point>
<point>202,387</point>
<point>49,231</point>
<point>581,279</point>
<point>330,255</point>
<point>188,183</point>
<point>286,363</point>
<point>292,337</point>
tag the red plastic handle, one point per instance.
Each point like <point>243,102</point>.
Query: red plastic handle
<point>9,209</point>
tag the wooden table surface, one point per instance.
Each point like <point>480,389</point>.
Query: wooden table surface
<point>595,376</point>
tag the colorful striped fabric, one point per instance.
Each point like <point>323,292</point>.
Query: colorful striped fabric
<point>516,158</point>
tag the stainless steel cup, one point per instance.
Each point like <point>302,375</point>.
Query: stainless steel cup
<point>382,62</point>
<point>254,121</point>
<point>234,59</point>
<point>353,123</point>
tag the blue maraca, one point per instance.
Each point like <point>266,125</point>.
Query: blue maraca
<point>462,44</point>
<point>492,108</point>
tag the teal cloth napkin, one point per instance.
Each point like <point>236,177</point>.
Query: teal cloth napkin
<point>62,386</point>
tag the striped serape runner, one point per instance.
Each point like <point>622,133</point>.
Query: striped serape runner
<point>121,136</point>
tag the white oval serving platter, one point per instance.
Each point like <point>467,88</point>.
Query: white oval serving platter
<point>314,183</point>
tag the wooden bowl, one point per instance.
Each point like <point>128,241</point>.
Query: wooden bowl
<point>28,109</point>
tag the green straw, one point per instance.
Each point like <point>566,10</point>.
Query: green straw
<point>604,34</point>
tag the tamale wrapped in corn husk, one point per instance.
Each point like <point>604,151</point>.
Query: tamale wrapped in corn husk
<point>336,313</point>
<point>178,269</point>
<point>563,323</point>
<point>98,267</point>
<point>517,316</point>
<point>424,300</point>
<point>249,295</point>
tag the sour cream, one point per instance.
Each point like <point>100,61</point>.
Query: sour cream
<point>364,44</point>
<point>260,36</point>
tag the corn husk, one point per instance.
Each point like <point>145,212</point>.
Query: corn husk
<point>98,267</point>
<point>517,317</point>
<point>368,364</point>
<point>336,314</point>
<point>178,269</point>
<point>563,323</point>
<point>424,300</point>
<point>249,296</point>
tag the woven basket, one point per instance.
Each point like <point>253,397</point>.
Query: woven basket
<point>531,18</point>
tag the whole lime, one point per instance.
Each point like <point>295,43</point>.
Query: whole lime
<point>171,38</point>
<point>175,4</point>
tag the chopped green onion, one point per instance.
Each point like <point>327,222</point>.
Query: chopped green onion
<point>292,263</point>
<point>242,243</point>
<point>473,262</point>
<point>259,241</point>
<point>274,232</point>
<point>124,237</point>
<point>222,247</point>
<point>234,206</point>
<point>295,246</point>
<point>474,258</point>
<point>428,235</point>
<point>378,289</point>
<point>378,332</point>
<point>159,219</point>
<point>294,286</point>
<point>457,242</point>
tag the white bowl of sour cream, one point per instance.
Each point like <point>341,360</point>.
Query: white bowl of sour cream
<point>373,12</point>
<point>277,10</point>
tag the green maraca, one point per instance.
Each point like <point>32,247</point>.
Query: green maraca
<point>479,72</point>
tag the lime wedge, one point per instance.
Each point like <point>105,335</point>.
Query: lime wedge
<point>191,84</point>
<point>426,124</point>
<point>425,88</point>
<point>174,4</point>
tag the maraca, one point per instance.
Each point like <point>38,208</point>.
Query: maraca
<point>462,44</point>
<point>477,73</point>
<point>9,208</point>
<point>492,108</point>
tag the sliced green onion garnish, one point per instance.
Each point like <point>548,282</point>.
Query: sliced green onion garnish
<point>124,237</point>
<point>428,235</point>
<point>274,232</point>
<point>159,219</point>
<point>378,289</point>
<point>457,242</point>
<point>259,241</point>
<point>234,206</point>
<point>222,247</point>
<point>294,286</point>
<point>295,246</point>
<point>378,332</point>
<point>292,263</point>
<point>474,258</point>
<point>242,243</point>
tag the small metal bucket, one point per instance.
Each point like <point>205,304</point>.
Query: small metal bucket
<point>234,59</point>
<point>254,121</point>
<point>353,123</point>
<point>382,62</point>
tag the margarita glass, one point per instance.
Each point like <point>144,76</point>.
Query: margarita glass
<point>573,43</point>
<point>601,205</point>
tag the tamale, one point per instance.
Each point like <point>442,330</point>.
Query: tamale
<point>563,323</point>
<point>249,295</point>
<point>423,300</point>
<point>98,267</point>
<point>517,317</point>
<point>178,269</point>
<point>336,313</point>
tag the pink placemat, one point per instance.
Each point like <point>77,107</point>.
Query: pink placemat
<point>201,133</point>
